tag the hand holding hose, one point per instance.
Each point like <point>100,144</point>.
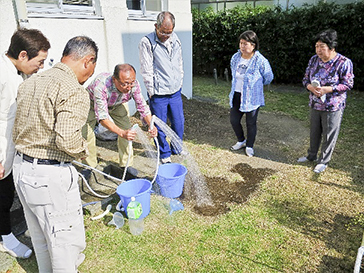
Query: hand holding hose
<point>153,132</point>
<point>129,134</point>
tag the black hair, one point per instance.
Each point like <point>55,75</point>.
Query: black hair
<point>30,40</point>
<point>251,37</point>
<point>329,37</point>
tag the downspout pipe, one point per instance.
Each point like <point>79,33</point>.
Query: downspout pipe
<point>21,15</point>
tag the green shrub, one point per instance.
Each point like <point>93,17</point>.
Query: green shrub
<point>286,37</point>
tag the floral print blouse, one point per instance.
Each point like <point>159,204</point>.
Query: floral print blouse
<point>338,73</point>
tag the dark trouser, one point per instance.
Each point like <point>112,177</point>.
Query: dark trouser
<point>251,121</point>
<point>168,107</point>
<point>7,190</point>
<point>326,126</point>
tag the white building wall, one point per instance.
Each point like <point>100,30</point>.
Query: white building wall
<point>116,36</point>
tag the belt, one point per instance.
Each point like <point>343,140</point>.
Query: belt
<point>40,161</point>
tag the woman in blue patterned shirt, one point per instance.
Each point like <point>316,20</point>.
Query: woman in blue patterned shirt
<point>250,71</point>
<point>329,75</point>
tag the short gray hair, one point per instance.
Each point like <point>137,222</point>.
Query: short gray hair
<point>162,16</point>
<point>79,47</point>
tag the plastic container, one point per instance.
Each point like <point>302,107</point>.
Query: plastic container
<point>117,220</point>
<point>138,188</point>
<point>135,210</point>
<point>170,179</point>
<point>175,205</point>
<point>136,226</point>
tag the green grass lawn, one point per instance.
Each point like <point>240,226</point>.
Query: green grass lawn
<point>296,222</point>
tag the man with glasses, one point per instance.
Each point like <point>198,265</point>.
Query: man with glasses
<point>160,54</point>
<point>109,95</point>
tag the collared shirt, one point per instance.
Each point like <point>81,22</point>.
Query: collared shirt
<point>154,74</point>
<point>52,109</point>
<point>9,83</point>
<point>105,95</point>
<point>257,74</point>
<point>337,73</point>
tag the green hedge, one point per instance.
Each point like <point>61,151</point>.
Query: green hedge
<point>286,37</point>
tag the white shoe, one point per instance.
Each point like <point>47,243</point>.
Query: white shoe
<point>20,251</point>
<point>166,160</point>
<point>238,145</point>
<point>320,168</point>
<point>249,151</point>
<point>302,159</point>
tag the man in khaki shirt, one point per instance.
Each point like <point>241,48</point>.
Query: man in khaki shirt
<point>52,109</point>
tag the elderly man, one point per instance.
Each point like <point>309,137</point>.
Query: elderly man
<point>52,109</point>
<point>109,95</point>
<point>160,54</point>
<point>26,55</point>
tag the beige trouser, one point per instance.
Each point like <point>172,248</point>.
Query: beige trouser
<point>120,116</point>
<point>53,211</point>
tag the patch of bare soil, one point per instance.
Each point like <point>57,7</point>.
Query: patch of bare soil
<point>280,139</point>
<point>223,192</point>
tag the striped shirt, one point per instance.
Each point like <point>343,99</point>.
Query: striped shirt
<point>52,109</point>
<point>105,95</point>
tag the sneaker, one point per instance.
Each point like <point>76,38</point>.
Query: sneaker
<point>238,145</point>
<point>320,168</point>
<point>302,159</point>
<point>20,251</point>
<point>249,151</point>
<point>166,160</point>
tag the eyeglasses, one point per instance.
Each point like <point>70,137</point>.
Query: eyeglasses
<point>165,34</point>
<point>125,84</point>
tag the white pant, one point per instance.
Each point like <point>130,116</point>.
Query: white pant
<point>53,211</point>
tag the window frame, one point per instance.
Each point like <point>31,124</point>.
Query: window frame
<point>60,10</point>
<point>144,14</point>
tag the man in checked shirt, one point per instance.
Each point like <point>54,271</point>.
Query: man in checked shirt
<point>52,108</point>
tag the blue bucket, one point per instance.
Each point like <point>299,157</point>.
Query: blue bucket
<point>170,178</point>
<point>140,189</point>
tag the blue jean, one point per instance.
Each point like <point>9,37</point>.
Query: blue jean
<point>168,107</point>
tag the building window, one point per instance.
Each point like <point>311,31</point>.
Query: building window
<point>64,8</point>
<point>145,9</point>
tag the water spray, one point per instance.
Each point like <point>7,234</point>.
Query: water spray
<point>130,147</point>
<point>151,126</point>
